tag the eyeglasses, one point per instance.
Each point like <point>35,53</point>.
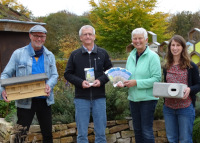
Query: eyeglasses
<point>89,34</point>
<point>37,36</point>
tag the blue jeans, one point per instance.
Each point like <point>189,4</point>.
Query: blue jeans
<point>83,108</point>
<point>143,116</point>
<point>179,124</point>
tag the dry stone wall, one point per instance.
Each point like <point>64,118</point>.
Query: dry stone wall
<point>117,131</point>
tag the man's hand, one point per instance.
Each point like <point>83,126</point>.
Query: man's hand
<point>96,83</point>
<point>130,83</point>
<point>47,90</point>
<point>4,95</point>
<point>85,84</point>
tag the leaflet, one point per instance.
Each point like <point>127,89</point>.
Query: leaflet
<point>89,75</point>
<point>117,74</point>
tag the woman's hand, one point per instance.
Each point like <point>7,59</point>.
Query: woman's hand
<point>130,83</point>
<point>187,93</point>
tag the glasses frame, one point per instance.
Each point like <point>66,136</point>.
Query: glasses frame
<point>37,36</point>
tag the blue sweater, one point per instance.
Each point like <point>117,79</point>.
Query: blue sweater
<point>38,67</point>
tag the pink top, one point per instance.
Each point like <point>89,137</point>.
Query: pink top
<point>177,75</point>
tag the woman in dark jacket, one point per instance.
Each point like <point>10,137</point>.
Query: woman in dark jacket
<point>179,114</point>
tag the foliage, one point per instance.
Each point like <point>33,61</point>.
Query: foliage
<point>118,55</point>
<point>158,114</point>
<point>63,109</point>
<point>196,130</point>
<point>182,22</point>
<point>159,26</point>
<point>6,108</point>
<point>15,5</point>
<point>61,65</point>
<point>68,44</point>
<point>117,104</point>
<point>61,25</point>
<point>115,20</point>
<point>57,28</point>
<point>12,116</point>
<point>197,107</point>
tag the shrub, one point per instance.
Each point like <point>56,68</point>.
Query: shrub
<point>159,109</point>
<point>6,108</point>
<point>116,102</point>
<point>196,130</point>
<point>197,107</point>
<point>12,116</point>
<point>63,110</point>
<point>61,65</point>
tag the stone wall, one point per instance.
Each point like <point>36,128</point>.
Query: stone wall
<point>118,131</point>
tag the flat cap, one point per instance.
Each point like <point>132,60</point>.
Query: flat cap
<point>38,28</point>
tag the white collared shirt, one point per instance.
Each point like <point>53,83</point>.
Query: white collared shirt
<point>88,51</point>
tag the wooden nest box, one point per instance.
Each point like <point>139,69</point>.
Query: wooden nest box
<point>24,86</point>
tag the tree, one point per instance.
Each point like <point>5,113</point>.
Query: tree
<point>69,44</point>
<point>181,23</point>
<point>15,5</point>
<point>60,25</point>
<point>195,19</point>
<point>114,21</point>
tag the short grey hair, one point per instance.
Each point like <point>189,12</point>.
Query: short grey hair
<point>86,27</point>
<point>139,31</point>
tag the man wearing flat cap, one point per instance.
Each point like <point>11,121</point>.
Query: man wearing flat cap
<point>34,58</point>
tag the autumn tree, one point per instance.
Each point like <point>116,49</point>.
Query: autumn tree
<point>114,21</point>
<point>195,19</point>
<point>15,5</point>
<point>68,44</point>
<point>61,25</point>
<point>182,22</point>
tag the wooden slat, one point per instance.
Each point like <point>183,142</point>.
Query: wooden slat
<point>26,95</point>
<point>28,90</point>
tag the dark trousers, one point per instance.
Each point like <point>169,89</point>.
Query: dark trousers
<point>43,112</point>
<point>143,115</point>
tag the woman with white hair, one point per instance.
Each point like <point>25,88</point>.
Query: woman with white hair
<point>145,67</point>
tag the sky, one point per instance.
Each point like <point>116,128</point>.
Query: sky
<point>45,7</point>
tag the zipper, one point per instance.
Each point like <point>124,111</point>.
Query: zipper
<point>90,61</point>
<point>95,64</point>
<point>90,87</point>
